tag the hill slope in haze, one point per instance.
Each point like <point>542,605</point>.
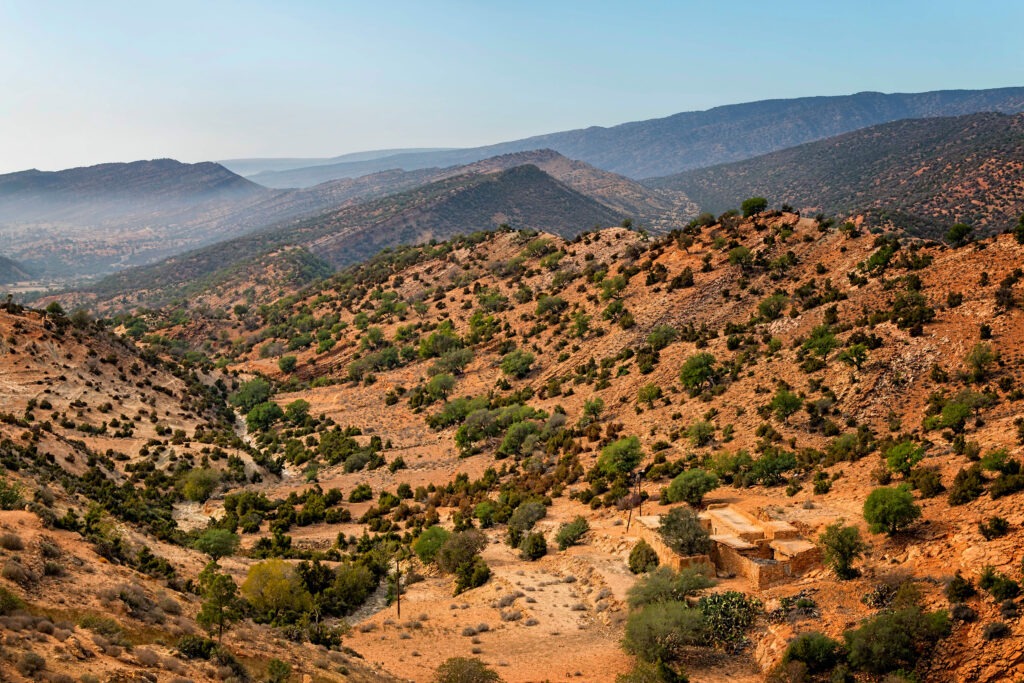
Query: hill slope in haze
<point>248,167</point>
<point>658,208</point>
<point>88,220</point>
<point>689,140</point>
<point>98,219</point>
<point>12,271</point>
<point>925,173</point>
<point>524,197</point>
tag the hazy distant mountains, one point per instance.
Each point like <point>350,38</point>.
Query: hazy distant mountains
<point>116,193</point>
<point>689,140</point>
<point>102,219</point>
<point>925,174</point>
<point>94,219</point>
<point>523,196</point>
<point>98,219</point>
<point>248,167</point>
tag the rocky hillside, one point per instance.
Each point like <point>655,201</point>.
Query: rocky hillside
<point>456,409</point>
<point>690,140</point>
<point>923,174</point>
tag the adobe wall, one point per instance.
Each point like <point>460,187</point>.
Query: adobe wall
<point>666,556</point>
<point>760,572</point>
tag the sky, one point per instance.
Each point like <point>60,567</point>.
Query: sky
<point>90,82</point>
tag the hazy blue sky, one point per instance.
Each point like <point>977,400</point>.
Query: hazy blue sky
<point>87,82</point>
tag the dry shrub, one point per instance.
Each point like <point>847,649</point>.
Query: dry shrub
<point>29,664</point>
<point>17,572</point>
<point>11,541</point>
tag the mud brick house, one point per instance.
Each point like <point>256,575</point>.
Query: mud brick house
<point>765,552</point>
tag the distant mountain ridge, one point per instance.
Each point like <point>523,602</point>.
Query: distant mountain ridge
<point>134,186</point>
<point>248,167</point>
<point>697,139</point>
<point>925,173</point>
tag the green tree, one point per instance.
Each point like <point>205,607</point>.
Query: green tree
<point>459,550</point>
<point>701,433</point>
<point>648,393</point>
<point>297,411</point>
<point>771,307</point>
<point>855,355</point>
<point>660,631</point>
<point>819,653</point>
<point>821,341</point>
<point>753,205</point>
<point>263,416</point>
<point>661,336</point>
<point>959,234</point>
<point>666,585</point>
<point>220,606</point>
<point>895,640</point>
<point>440,386</point>
<point>429,543</point>
<point>465,670</point>
<point>620,457</point>
<point>840,546</point>
<point>278,671</point>
<point>642,558</point>
<point>890,509</point>
<point>784,404</point>
<point>1018,230</point>
<point>250,394</point>
<point>217,543</point>
<point>534,546</point>
<point>593,407</point>
<point>741,256</point>
<point>698,371</point>
<point>902,457</point>
<point>287,363</point>
<point>273,588</point>
<point>691,486</point>
<point>522,520</point>
<point>199,485</point>
<point>517,363</point>
<point>682,532</point>
<point>980,359</point>
<point>570,533</point>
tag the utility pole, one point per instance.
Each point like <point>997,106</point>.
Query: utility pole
<point>398,584</point>
<point>639,494</point>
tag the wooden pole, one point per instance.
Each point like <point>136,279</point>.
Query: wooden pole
<point>398,584</point>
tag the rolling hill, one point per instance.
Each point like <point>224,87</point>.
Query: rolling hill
<point>924,174</point>
<point>519,423</point>
<point>523,196</point>
<point>689,140</point>
<point>12,271</point>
